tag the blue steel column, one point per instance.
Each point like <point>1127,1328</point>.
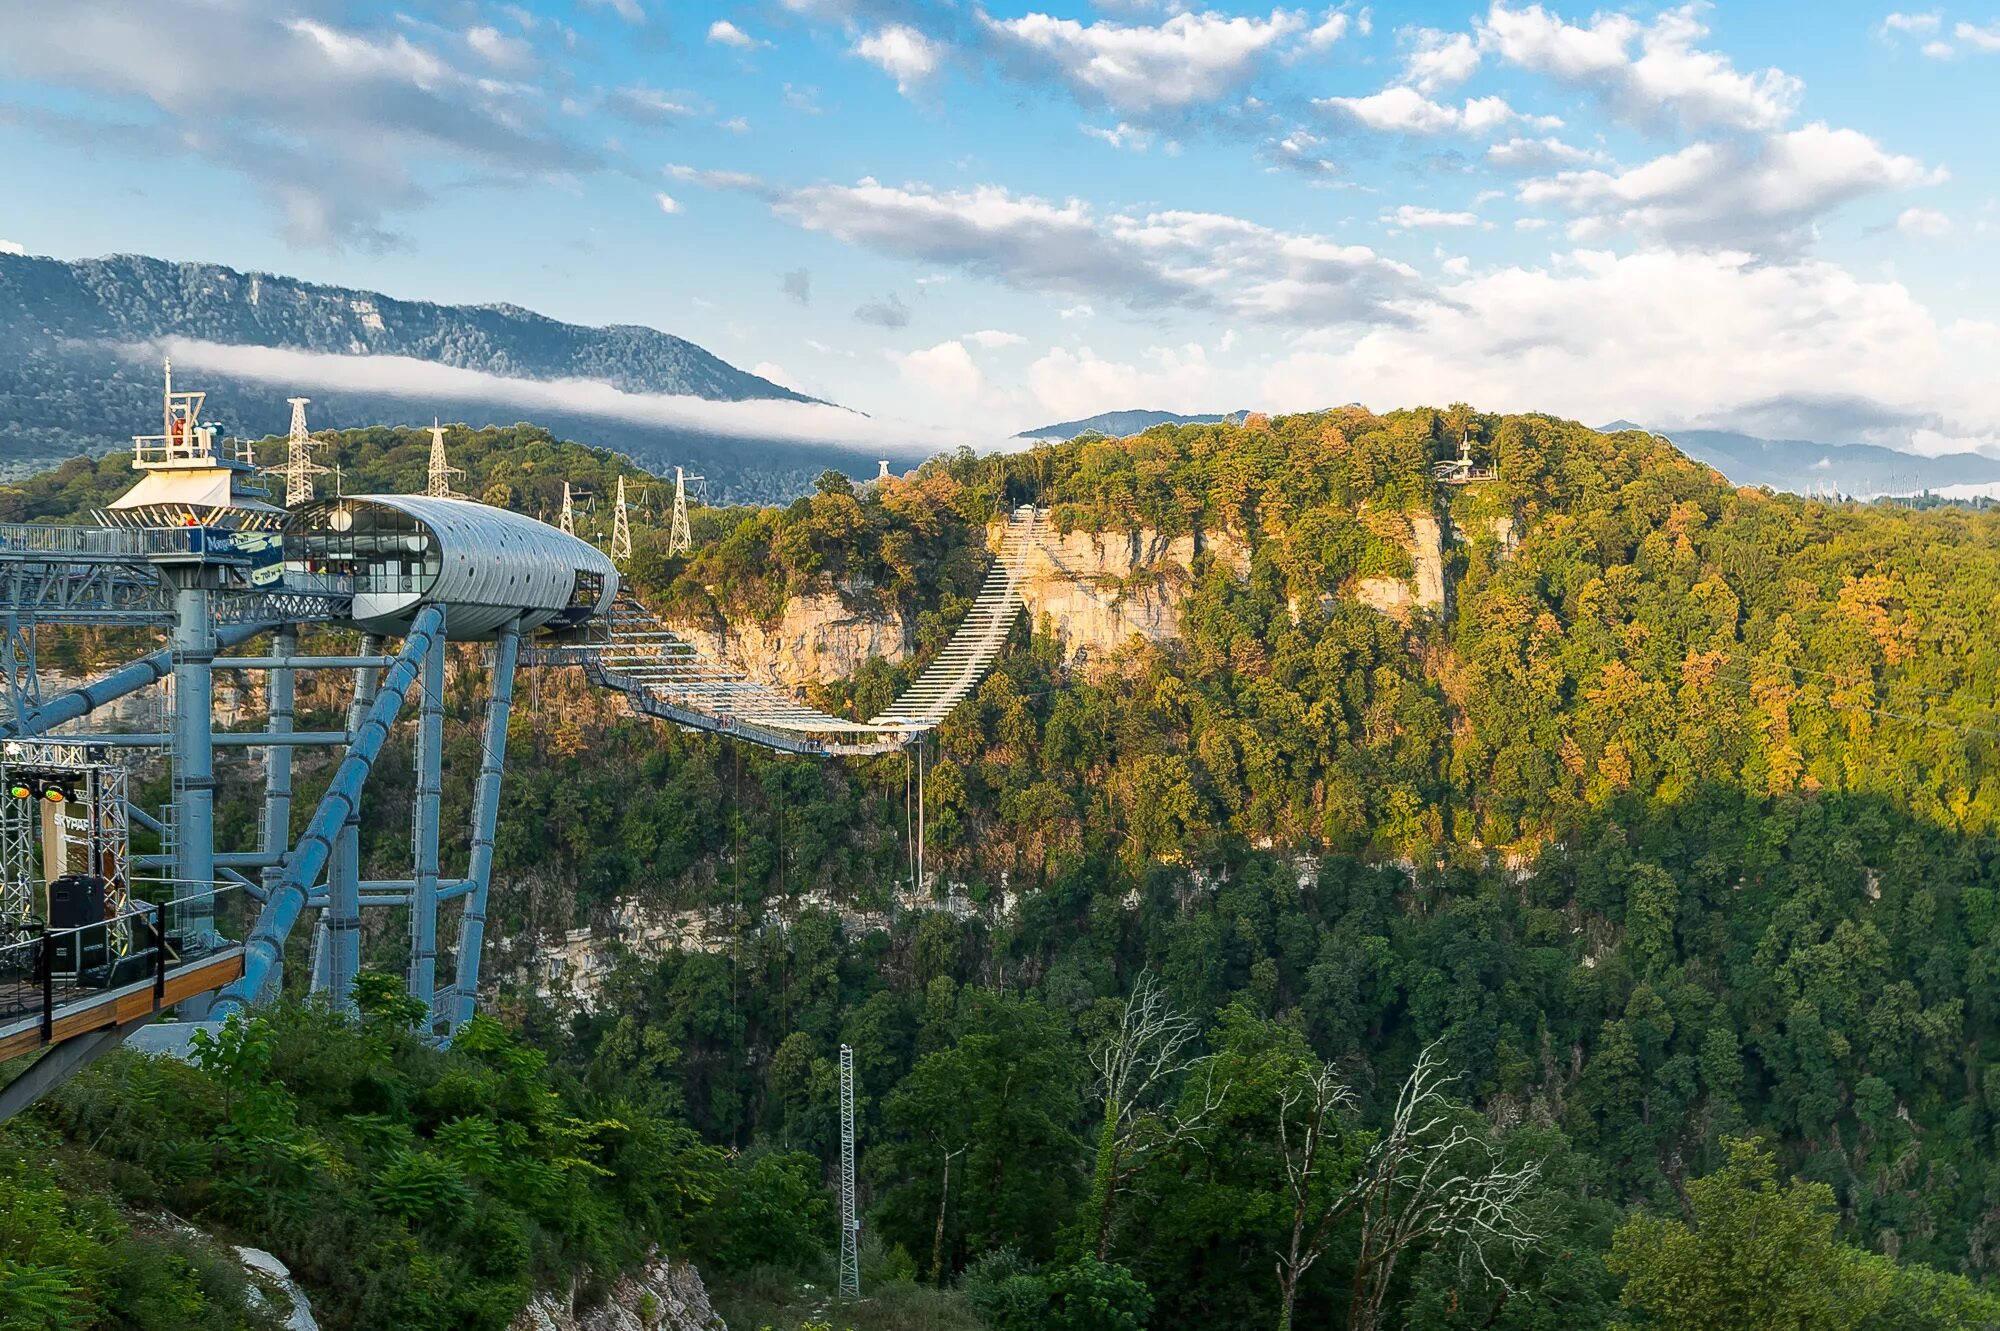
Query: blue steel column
<point>343,874</point>
<point>266,944</point>
<point>280,690</point>
<point>424,832</point>
<point>192,647</point>
<point>485,816</point>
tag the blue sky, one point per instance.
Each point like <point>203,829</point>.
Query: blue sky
<point>969,218</point>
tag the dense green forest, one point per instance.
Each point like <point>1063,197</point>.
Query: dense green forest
<point>1615,946</point>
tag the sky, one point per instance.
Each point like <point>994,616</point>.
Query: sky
<point>969,218</point>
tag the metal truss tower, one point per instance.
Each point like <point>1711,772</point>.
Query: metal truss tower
<point>568,520</point>
<point>441,472</point>
<point>680,540</point>
<point>299,468</point>
<point>621,527</point>
<point>850,1224</point>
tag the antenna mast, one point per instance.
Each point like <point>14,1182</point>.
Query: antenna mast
<point>441,470</point>
<point>850,1225</point>
<point>621,527</point>
<point>568,520</point>
<point>299,468</point>
<point>679,539</point>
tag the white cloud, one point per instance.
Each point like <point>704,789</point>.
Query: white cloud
<point>1913,25</point>
<point>1081,383</point>
<point>1410,217</point>
<point>902,53</point>
<point>1439,59</point>
<point>734,125</point>
<point>1400,110</point>
<point>771,370</point>
<point>1188,60</point>
<point>1169,258</point>
<point>649,106</point>
<point>946,370</point>
<point>993,338</point>
<point>668,203</point>
<point>498,49</point>
<point>426,381</point>
<point>1923,222</point>
<point>1328,33</point>
<point>1076,312</point>
<point>1544,154</point>
<point>1939,50</point>
<point>1724,338</point>
<point>1979,39</point>
<point>1669,75</point>
<point>336,124</point>
<point>1732,194</point>
<point>629,10</point>
<point>1122,136</point>
<point>724,33</point>
<point>12,247</point>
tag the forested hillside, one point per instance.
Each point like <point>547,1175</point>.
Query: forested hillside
<point>1614,945</point>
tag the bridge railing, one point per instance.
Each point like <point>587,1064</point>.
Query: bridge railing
<point>133,543</point>
<point>45,970</point>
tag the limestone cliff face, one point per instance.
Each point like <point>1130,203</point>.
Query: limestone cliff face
<point>1098,590</point>
<point>817,639</point>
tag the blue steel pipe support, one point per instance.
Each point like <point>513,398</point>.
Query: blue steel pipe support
<point>424,834</point>
<point>266,946</point>
<point>342,918</point>
<point>147,670</point>
<point>485,816</point>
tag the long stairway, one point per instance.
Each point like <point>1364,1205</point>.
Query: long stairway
<point>664,675</point>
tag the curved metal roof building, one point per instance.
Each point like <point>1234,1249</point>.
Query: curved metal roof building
<point>400,553</point>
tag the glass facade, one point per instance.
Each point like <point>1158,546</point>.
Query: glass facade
<point>384,551</point>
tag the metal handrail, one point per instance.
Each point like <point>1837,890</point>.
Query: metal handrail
<point>32,952</point>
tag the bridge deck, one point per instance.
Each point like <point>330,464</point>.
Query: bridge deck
<point>95,1010</point>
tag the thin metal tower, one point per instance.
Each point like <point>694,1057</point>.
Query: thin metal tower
<point>299,468</point>
<point>441,470</point>
<point>850,1224</point>
<point>621,527</point>
<point>568,519</point>
<point>679,539</point>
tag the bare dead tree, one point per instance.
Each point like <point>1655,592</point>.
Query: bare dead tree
<point>1309,1128</point>
<point>1430,1178</point>
<point>944,1195</point>
<point>1137,1066</point>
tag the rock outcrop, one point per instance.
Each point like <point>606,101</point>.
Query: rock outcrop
<point>664,1295</point>
<point>1098,590</point>
<point>818,638</point>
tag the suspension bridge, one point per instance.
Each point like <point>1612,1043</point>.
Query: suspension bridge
<point>96,941</point>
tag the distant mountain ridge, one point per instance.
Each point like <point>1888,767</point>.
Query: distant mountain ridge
<point>68,384</point>
<point>1119,424</point>
<point>1805,466</point>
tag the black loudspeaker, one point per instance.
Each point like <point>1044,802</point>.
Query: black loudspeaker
<point>75,900</point>
<point>80,951</point>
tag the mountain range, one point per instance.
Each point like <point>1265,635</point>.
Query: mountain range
<point>80,372</point>
<point>1120,424</point>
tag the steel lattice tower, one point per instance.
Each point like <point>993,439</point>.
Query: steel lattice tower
<point>568,520</point>
<point>299,468</point>
<point>621,527</point>
<point>850,1224</point>
<point>441,469</point>
<point>680,540</point>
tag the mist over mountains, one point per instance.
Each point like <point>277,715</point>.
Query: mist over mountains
<point>80,345</point>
